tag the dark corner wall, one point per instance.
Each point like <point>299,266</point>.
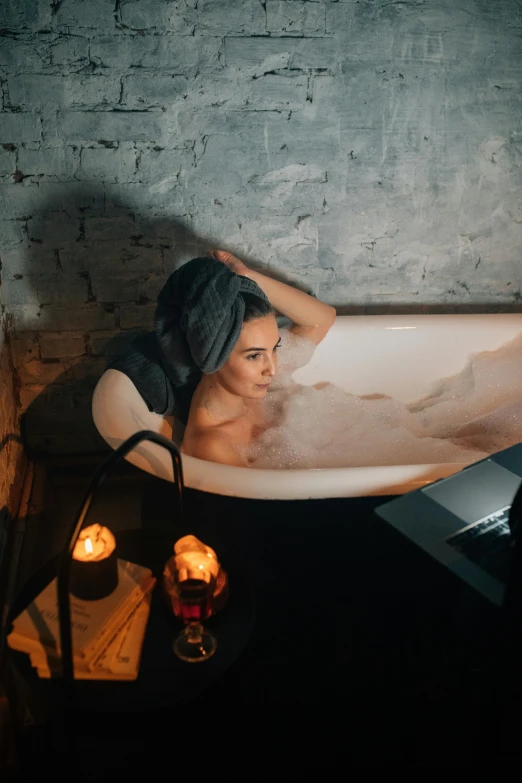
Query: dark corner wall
<point>11,457</point>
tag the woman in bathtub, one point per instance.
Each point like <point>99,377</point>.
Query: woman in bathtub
<point>225,412</point>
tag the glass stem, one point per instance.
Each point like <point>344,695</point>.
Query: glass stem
<point>194,632</point>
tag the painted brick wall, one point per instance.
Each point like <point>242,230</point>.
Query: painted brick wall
<point>367,150</point>
<point>10,448</point>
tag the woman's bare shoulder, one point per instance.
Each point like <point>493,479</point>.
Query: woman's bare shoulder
<point>212,444</point>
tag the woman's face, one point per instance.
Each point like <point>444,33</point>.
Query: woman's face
<point>252,364</point>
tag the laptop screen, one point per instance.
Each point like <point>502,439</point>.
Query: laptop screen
<point>476,492</point>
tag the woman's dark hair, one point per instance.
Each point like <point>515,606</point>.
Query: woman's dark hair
<point>255,307</point>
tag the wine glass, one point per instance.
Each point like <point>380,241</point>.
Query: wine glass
<point>191,602</point>
<point>196,587</point>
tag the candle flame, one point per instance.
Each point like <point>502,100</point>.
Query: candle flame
<point>88,545</point>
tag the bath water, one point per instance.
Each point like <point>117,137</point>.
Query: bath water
<point>461,419</point>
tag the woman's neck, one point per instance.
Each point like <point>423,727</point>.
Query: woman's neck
<point>216,403</point>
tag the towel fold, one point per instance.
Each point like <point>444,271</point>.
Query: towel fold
<point>197,323</point>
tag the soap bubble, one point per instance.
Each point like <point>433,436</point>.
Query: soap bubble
<point>462,418</point>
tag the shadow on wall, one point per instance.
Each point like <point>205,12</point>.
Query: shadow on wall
<point>58,418</point>
<point>82,284</point>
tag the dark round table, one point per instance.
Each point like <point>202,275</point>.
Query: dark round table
<point>164,680</point>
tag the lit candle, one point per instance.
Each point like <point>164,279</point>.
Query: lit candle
<point>193,562</point>
<point>94,568</point>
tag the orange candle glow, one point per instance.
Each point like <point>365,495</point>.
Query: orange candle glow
<point>94,543</point>
<point>94,571</point>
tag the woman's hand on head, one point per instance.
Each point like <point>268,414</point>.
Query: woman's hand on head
<point>233,263</point>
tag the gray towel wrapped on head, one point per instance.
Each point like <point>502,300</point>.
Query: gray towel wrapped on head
<point>197,324</point>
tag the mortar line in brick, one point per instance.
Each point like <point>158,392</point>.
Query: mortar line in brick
<point>275,37</point>
<point>263,6</point>
<point>116,9</point>
<point>86,276</point>
<point>87,344</point>
<point>125,110</point>
<point>285,71</point>
<point>309,88</point>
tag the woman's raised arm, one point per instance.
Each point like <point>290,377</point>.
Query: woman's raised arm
<point>311,318</point>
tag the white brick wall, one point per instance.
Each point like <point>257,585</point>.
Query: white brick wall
<point>21,127</point>
<point>107,125</point>
<point>368,151</point>
<point>283,52</point>
<point>63,91</point>
<point>173,17</point>
<point>109,165</point>
<point>291,17</point>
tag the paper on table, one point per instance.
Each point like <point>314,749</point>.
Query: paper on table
<point>120,660</point>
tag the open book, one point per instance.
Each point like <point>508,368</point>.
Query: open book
<point>120,660</point>
<point>94,623</point>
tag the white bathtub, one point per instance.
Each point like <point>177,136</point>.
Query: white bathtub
<point>395,355</point>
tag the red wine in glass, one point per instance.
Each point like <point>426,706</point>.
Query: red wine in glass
<point>192,603</point>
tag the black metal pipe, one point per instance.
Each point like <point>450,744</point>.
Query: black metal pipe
<point>64,568</point>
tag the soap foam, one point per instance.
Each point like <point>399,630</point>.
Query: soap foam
<point>462,419</point>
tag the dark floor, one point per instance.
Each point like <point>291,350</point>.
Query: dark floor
<point>390,649</point>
